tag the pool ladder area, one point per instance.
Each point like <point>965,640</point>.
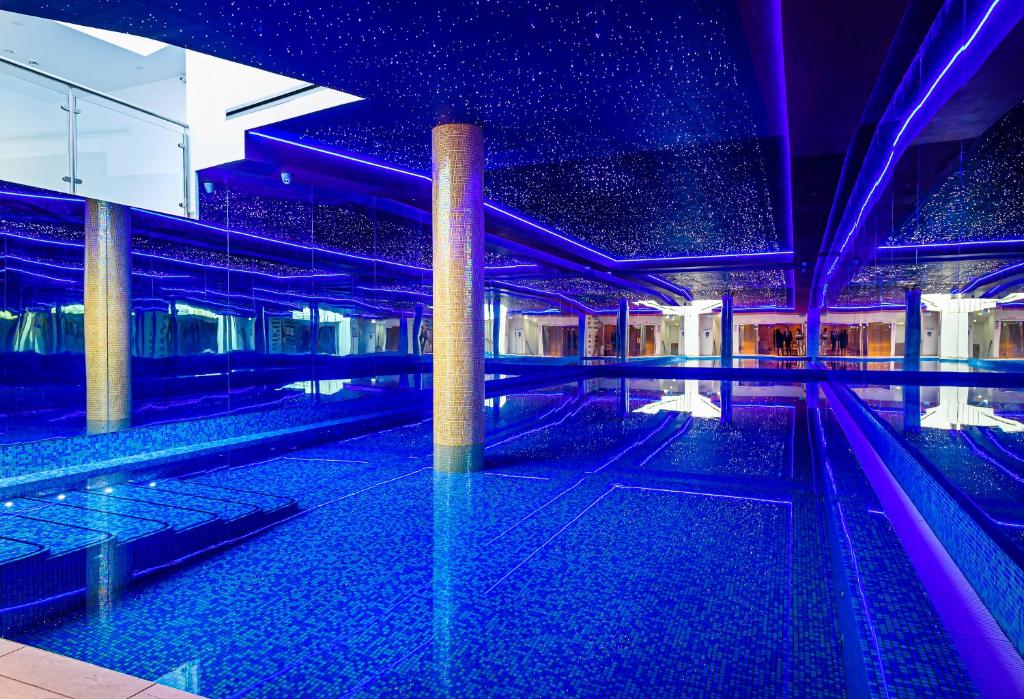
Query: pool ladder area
<point>81,548</point>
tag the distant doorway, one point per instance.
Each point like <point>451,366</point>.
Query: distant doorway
<point>560,340</point>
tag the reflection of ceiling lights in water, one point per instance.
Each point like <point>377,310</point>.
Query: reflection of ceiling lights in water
<point>326,387</point>
<point>689,402</point>
<point>954,412</point>
<point>666,310</point>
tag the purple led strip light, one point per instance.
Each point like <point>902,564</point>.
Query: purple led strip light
<point>1005,286</point>
<point>283,243</point>
<point>40,276</point>
<point>582,405</point>
<point>290,299</point>
<point>543,295</point>
<point>232,270</point>
<point>683,429</point>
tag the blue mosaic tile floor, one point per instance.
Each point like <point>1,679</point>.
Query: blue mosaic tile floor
<point>905,649</point>
<point>652,554</point>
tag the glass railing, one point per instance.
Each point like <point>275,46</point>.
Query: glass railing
<point>67,138</point>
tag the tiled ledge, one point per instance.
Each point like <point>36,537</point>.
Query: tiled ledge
<point>31,673</point>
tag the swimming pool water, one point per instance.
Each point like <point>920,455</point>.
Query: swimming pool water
<point>600,554</point>
<point>975,445</point>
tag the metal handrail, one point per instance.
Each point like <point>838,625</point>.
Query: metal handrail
<point>72,89</point>
<point>82,88</point>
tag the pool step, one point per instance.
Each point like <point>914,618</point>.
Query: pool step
<point>58,551</point>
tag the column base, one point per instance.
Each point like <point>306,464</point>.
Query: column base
<point>465,459</point>
<point>104,426</point>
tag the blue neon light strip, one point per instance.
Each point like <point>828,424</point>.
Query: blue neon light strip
<point>513,215</point>
<point>991,276</point>
<point>187,263</point>
<point>874,307</point>
<point>72,268</point>
<point>783,255</point>
<point>899,136</point>
<point>284,243</point>
<point>953,247</point>
<point>50,197</point>
<point>343,156</point>
<point>40,276</point>
<point>548,295</point>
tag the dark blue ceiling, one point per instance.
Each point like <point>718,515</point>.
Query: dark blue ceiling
<point>644,128</point>
<point>981,199</point>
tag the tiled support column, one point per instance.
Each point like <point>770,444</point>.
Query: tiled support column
<point>108,316</point>
<point>417,327</point>
<point>58,329</point>
<point>496,325</point>
<point>622,329</point>
<point>173,310</point>
<point>403,335</point>
<point>911,409</point>
<point>459,505</point>
<point>259,331</point>
<point>458,216</point>
<point>314,328</point>
<point>581,337</point>
<point>813,332</point>
<point>912,336</point>
<point>727,330</point>
<point>725,402</point>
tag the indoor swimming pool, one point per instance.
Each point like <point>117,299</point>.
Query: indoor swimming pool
<point>614,544</point>
<point>494,349</point>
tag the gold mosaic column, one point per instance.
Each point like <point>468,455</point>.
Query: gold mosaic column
<point>108,315</point>
<point>458,215</point>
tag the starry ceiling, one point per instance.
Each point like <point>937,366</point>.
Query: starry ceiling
<point>951,190</point>
<point>982,198</point>
<point>885,283</point>
<point>643,128</point>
